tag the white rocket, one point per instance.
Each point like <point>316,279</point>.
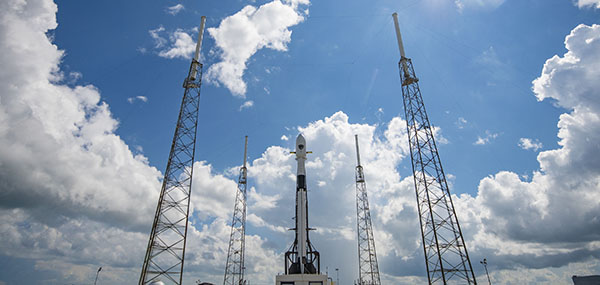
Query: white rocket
<point>302,260</point>
<point>304,255</point>
<point>301,203</point>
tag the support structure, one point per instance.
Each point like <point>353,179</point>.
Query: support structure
<point>368,269</point>
<point>234,268</point>
<point>446,256</point>
<point>165,254</point>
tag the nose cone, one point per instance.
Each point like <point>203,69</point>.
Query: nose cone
<point>300,144</point>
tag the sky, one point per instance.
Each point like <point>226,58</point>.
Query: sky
<point>90,91</point>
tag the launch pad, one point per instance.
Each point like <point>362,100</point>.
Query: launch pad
<point>301,279</point>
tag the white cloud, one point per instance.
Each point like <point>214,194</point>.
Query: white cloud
<point>551,220</point>
<point>74,197</point>
<point>526,143</point>
<point>592,3</point>
<point>59,150</point>
<point>137,98</point>
<point>247,104</point>
<point>182,46</point>
<point>241,35</point>
<point>284,138</point>
<point>159,41</point>
<point>477,4</point>
<point>489,136</point>
<point>179,44</point>
<point>74,76</point>
<point>461,123</point>
<point>65,173</point>
<point>174,10</point>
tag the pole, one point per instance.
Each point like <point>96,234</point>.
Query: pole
<point>97,273</point>
<point>337,276</point>
<point>484,262</point>
<point>357,154</point>
<point>245,150</point>
<point>398,35</point>
<point>195,61</point>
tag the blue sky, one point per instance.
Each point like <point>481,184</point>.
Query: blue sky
<point>91,93</point>
<point>342,57</point>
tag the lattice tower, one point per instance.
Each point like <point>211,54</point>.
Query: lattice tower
<point>165,253</point>
<point>368,269</point>
<point>446,256</point>
<point>234,268</point>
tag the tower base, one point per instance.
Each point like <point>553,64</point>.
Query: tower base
<point>301,279</point>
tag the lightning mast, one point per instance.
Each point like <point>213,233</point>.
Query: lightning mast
<point>166,246</point>
<point>234,268</point>
<point>368,269</point>
<point>446,256</point>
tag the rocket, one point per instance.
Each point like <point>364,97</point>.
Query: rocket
<point>304,253</point>
<point>302,204</point>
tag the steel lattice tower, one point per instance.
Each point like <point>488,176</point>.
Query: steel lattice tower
<point>234,268</point>
<point>368,270</point>
<point>166,246</point>
<point>446,256</point>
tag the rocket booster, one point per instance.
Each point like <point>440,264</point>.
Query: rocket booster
<point>301,203</point>
<point>301,255</point>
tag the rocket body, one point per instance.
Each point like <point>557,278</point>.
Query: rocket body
<point>301,202</point>
<point>302,258</point>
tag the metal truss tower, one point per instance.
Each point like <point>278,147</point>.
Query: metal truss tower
<point>368,270</point>
<point>446,256</point>
<point>234,268</point>
<point>166,246</point>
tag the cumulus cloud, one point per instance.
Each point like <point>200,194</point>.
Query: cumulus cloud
<point>178,45</point>
<point>182,46</point>
<point>73,195</point>
<point>330,177</point>
<point>241,35</point>
<point>65,173</point>
<point>527,144</point>
<point>552,220</point>
<point>591,3</point>
<point>175,9</point>
<point>59,150</point>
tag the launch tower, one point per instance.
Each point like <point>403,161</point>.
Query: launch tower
<point>234,268</point>
<point>166,246</point>
<point>446,256</point>
<point>368,269</point>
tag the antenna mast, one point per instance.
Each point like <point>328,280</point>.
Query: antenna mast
<point>446,256</point>
<point>166,246</point>
<point>234,268</point>
<point>368,269</point>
